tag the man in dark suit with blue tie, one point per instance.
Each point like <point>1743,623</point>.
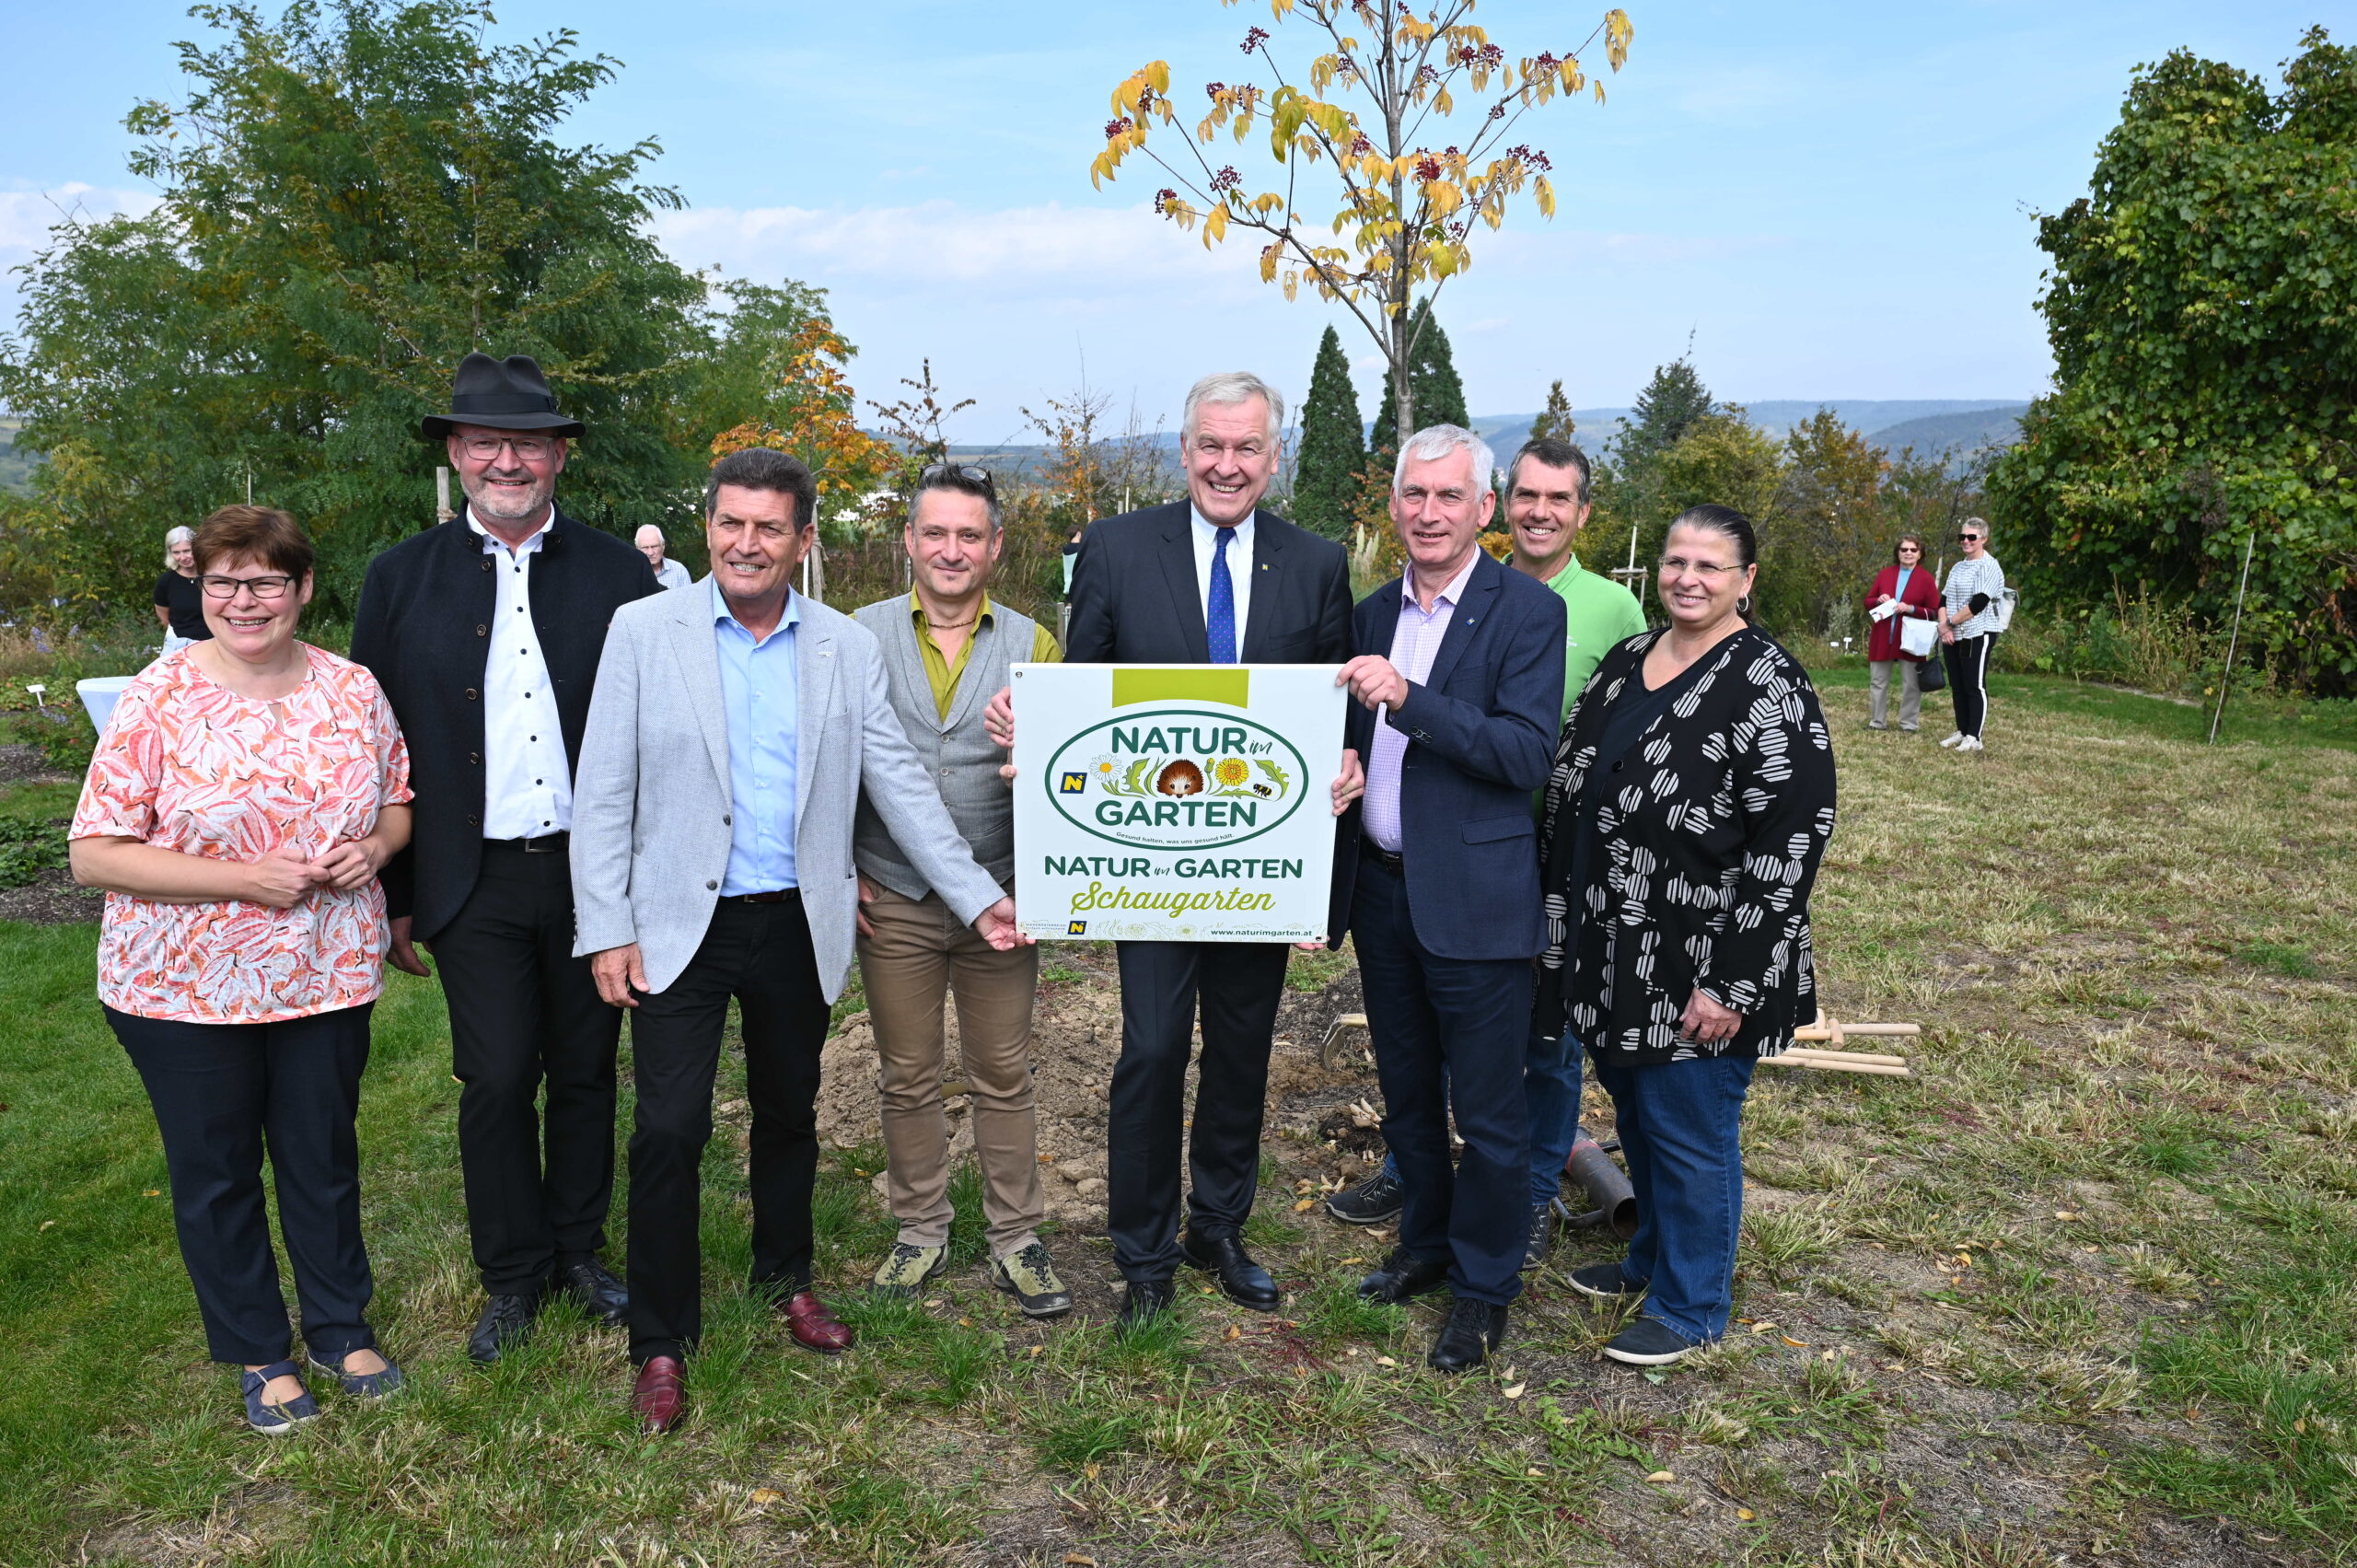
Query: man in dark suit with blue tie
<point>1211,579</point>
<point>1460,680</point>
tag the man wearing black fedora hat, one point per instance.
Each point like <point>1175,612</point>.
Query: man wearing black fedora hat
<point>485,634</point>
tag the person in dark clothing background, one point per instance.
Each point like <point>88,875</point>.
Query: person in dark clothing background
<point>180,603</point>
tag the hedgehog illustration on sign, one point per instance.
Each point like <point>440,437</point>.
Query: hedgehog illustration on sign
<point>1181,777</point>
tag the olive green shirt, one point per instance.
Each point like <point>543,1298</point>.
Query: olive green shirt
<point>943,676</point>
<point>1597,612</point>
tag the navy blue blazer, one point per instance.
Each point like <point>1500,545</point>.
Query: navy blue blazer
<point>1480,736</point>
<point>1135,598</point>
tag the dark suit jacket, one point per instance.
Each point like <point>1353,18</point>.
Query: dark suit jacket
<point>423,629</point>
<point>1481,737</point>
<point>1135,599</point>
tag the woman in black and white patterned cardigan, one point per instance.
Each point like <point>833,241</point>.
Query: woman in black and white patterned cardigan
<point>1689,808</point>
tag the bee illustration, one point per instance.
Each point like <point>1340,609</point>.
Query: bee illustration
<point>1263,790</point>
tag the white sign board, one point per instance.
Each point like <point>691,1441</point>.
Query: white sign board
<point>1175,802</point>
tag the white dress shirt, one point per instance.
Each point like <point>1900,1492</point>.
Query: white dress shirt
<point>1414,641</point>
<point>672,574</point>
<point>528,785</point>
<point>1240,569</point>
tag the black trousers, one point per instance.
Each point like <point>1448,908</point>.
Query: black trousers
<point>225,1094</point>
<point>1237,985</point>
<point>1968,662</point>
<point>524,1013</point>
<point>761,955</point>
<point>1449,1035</point>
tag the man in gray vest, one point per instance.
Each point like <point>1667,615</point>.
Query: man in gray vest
<point>947,649</point>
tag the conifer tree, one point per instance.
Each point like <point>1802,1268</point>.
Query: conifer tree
<point>1555,420</point>
<point>1333,445</point>
<point>1437,395</point>
<point>1671,403</point>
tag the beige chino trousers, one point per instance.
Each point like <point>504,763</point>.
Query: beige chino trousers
<point>920,952</point>
<point>1910,691</point>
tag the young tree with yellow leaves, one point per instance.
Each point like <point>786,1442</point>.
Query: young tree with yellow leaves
<point>1370,110</point>
<point>807,412</point>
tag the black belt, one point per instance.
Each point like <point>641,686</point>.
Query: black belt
<point>1381,856</point>
<point>782,896</point>
<point>546,844</point>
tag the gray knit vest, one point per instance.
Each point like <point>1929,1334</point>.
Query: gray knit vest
<point>955,750</point>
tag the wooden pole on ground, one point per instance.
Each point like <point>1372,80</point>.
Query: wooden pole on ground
<point>2226,676</point>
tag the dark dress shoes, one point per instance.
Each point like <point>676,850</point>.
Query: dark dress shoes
<point>600,1294</point>
<point>1402,1276</point>
<point>1147,1301</point>
<point>661,1397</point>
<point>813,1325</point>
<point>506,1323</point>
<point>1241,1279</point>
<point>1473,1333</point>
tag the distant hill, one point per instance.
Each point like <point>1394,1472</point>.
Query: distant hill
<point>1964,432</point>
<point>16,468</point>
<point>1876,418</point>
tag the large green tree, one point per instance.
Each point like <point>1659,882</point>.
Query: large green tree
<point>354,196</point>
<point>1438,395</point>
<point>2205,348</point>
<point>1333,445</point>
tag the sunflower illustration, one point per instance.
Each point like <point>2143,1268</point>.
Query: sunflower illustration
<point>1231,771</point>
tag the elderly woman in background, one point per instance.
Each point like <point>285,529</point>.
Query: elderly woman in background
<point>1902,590</point>
<point>180,608</point>
<point>243,797</point>
<point>1690,806</point>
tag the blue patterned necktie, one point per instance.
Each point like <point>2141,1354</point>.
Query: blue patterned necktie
<point>1219,622</point>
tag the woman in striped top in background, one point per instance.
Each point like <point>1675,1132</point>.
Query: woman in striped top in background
<point>1969,628</point>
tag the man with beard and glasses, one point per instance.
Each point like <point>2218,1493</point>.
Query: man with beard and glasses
<point>485,634</point>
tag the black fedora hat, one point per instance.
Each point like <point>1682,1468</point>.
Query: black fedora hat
<point>501,394</point>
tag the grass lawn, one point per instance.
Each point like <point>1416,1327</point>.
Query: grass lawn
<point>2085,1289</point>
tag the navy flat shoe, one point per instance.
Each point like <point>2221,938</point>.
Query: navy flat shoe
<point>360,1385</point>
<point>276,1419</point>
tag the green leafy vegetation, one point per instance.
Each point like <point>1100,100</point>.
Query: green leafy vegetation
<point>27,849</point>
<point>2198,310</point>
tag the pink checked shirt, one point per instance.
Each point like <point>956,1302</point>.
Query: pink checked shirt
<point>1413,642</point>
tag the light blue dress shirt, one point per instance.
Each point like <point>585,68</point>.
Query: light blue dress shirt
<point>760,697</point>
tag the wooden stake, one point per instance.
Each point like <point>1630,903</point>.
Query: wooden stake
<point>1849,1056</point>
<point>1836,1064</point>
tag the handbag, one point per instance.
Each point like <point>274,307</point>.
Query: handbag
<point>1932,675</point>
<point>1919,638</point>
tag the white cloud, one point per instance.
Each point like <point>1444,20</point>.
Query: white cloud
<point>1025,252</point>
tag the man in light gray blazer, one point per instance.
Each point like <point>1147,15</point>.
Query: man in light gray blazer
<point>733,728</point>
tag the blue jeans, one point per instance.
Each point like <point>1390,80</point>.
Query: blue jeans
<point>1679,1123</point>
<point>1551,1094</point>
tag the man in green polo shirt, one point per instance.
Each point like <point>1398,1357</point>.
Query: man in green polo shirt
<point>1547,503</point>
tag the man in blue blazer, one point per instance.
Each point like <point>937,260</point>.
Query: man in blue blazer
<point>1458,674</point>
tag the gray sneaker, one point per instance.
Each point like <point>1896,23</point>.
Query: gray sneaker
<point>1376,1200</point>
<point>908,1268</point>
<point>1030,1276</point>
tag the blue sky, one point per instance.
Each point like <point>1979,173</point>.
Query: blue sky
<point>1835,201</point>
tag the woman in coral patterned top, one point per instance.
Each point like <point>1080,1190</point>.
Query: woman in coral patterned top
<point>243,796</point>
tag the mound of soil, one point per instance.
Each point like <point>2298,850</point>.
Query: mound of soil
<point>1076,1035</point>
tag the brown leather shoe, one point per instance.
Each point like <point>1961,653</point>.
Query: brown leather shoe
<point>661,1397</point>
<point>814,1325</point>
